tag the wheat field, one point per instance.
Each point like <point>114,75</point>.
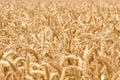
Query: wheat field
<point>59,40</point>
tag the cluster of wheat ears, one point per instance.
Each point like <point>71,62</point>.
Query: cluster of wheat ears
<point>59,41</point>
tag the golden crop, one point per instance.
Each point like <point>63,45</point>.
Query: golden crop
<point>57,40</point>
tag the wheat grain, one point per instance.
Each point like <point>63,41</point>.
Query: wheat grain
<point>59,40</point>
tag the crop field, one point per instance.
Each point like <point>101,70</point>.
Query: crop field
<point>59,40</point>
